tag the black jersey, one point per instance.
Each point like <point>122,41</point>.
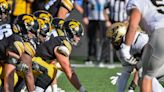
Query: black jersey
<point>46,50</point>
<point>9,41</point>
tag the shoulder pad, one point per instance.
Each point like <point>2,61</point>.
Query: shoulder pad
<point>60,32</point>
<point>63,50</point>
<point>68,45</point>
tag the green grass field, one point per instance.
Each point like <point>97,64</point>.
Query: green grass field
<point>93,78</point>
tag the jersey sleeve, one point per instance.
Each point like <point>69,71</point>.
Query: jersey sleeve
<point>65,49</point>
<point>134,4</point>
<point>68,4</point>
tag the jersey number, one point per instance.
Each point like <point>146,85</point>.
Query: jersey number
<point>5,31</point>
<point>159,4</point>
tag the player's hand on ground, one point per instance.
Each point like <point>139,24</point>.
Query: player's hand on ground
<point>115,78</point>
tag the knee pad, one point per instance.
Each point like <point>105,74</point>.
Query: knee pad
<point>43,81</point>
<point>22,67</point>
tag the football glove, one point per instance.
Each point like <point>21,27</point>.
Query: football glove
<point>131,60</point>
<point>114,79</point>
<point>22,67</point>
<point>125,51</point>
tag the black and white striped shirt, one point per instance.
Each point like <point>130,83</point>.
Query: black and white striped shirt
<point>95,9</point>
<point>117,10</point>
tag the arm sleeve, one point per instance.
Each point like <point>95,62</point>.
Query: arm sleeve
<point>68,4</point>
<point>134,4</point>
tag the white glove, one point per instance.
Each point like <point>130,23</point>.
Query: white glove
<point>131,60</point>
<point>126,56</point>
<point>114,79</point>
<point>125,51</point>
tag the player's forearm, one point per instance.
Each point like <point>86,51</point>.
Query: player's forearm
<point>130,36</point>
<point>62,12</point>
<point>133,25</point>
<point>75,81</point>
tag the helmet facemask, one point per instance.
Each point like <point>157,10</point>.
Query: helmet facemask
<point>27,26</point>
<point>45,29</point>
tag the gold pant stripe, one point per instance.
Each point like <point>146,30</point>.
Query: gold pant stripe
<point>50,67</point>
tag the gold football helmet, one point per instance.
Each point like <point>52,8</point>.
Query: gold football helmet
<point>44,15</point>
<point>58,23</point>
<point>26,23</point>
<point>4,7</point>
<point>116,33</point>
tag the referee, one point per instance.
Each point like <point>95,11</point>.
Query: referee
<point>115,11</point>
<point>95,21</point>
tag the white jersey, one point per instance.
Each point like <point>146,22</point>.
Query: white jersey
<point>152,13</point>
<point>140,40</point>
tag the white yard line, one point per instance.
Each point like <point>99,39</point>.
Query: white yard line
<point>58,73</point>
<point>110,66</point>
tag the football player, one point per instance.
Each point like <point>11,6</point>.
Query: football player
<point>116,33</point>
<point>38,65</point>
<point>56,24</point>
<point>59,48</point>
<point>150,17</point>
<point>11,47</point>
<point>56,31</point>
<point>25,26</point>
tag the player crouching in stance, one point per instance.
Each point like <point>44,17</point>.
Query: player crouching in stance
<point>59,48</point>
<point>12,50</point>
<point>117,34</point>
<point>25,26</point>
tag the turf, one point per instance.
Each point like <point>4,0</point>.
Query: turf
<point>94,79</point>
